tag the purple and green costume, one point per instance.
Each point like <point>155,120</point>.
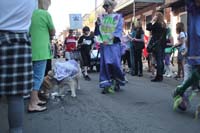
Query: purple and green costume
<point>109,29</point>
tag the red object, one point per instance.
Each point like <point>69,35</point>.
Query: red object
<point>145,53</point>
<point>70,43</point>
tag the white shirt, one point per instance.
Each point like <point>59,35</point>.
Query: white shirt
<point>15,15</point>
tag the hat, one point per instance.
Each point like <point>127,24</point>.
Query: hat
<point>112,3</point>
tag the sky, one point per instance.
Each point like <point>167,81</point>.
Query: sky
<point>60,10</point>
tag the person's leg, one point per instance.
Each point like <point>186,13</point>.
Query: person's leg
<point>132,59</point>
<point>128,59</point>
<point>38,70</point>
<point>104,75</point>
<point>182,69</point>
<point>179,70</point>
<point>160,65</point>
<point>15,113</point>
<point>136,62</point>
<point>187,72</point>
<point>149,62</point>
<point>48,67</point>
<point>195,77</point>
<point>140,63</point>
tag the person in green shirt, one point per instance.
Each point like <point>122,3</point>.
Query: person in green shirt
<point>41,30</point>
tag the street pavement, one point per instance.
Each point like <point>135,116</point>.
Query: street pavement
<point>141,107</point>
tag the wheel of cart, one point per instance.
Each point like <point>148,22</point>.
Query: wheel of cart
<point>95,60</point>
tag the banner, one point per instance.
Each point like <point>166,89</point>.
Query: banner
<point>76,21</point>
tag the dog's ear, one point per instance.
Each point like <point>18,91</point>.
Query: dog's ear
<point>50,74</point>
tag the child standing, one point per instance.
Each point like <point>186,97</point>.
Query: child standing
<point>70,44</point>
<point>86,43</point>
<point>181,48</point>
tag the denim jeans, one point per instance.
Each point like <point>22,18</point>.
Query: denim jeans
<point>38,73</point>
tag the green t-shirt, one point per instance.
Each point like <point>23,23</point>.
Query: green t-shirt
<point>41,24</point>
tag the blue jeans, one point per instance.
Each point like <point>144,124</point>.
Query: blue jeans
<point>38,73</point>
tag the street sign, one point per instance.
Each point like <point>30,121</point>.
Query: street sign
<point>76,21</point>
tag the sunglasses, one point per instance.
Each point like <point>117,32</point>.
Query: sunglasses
<point>105,6</point>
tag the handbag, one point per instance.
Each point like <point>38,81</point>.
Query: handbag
<point>153,46</point>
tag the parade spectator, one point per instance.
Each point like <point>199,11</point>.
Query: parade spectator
<point>70,44</point>
<point>126,56</point>
<point>181,46</point>
<point>15,58</point>
<point>168,52</point>
<point>138,46</point>
<point>41,30</point>
<point>158,31</point>
<point>132,58</point>
<point>85,43</point>
<point>110,32</point>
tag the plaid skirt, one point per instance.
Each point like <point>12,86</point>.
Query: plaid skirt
<point>16,75</point>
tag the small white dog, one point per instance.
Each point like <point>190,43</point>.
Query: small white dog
<point>61,80</point>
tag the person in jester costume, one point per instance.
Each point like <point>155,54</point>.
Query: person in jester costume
<point>108,32</point>
<point>180,98</point>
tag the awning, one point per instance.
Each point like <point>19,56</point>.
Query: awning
<point>127,7</point>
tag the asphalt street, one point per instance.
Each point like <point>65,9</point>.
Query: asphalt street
<point>141,107</point>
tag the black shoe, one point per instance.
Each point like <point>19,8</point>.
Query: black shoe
<point>157,79</point>
<point>87,78</point>
<point>140,75</point>
<point>134,74</point>
<point>105,91</point>
<point>117,88</point>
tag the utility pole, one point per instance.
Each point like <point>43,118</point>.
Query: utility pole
<point>95,9</point>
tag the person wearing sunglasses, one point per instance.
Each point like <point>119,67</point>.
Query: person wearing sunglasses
<point>109,29</point>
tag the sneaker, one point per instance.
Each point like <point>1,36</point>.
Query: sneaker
<point>165,75</point>
<point>110,90</point>
<point>107,90</point>
<point>87,78</point>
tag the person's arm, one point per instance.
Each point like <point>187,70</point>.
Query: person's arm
<point>139,40</point>
<point>130,37</point>
<point>80,41</point>
<point>50,25</point>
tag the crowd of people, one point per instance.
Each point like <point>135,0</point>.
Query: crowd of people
<point>23,61</point>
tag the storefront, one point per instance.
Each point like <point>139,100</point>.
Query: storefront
<point>140,9</point>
